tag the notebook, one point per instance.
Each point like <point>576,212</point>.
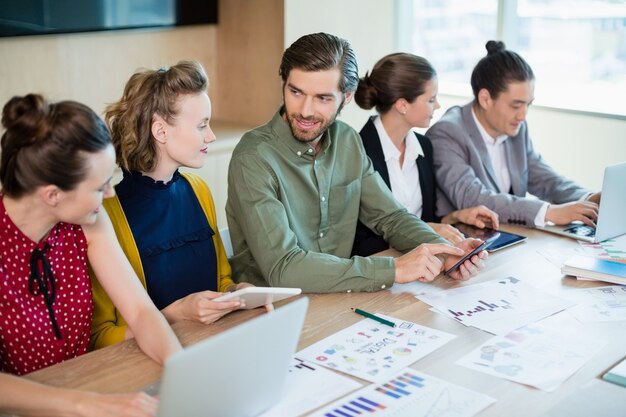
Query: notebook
<point>239,372</point>
<point>611,214</point>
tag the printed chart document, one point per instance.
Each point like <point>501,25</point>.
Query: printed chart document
<point>409,394</point>
<point>497,306</point>
<point>598,304</point>
<point>373,351</point>
<point>535,355</point>
<point>310,386</point>
<point>613,249</point>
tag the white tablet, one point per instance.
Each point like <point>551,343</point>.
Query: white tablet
<point>258,296</point>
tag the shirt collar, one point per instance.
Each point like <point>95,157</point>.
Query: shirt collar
<point>486,136</point>
<point>412,149</point>
<point>283,131</point>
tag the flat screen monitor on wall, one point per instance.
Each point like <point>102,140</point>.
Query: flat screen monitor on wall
<point>40,17</point>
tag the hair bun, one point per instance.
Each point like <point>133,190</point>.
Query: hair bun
<point>495,46</point>
<point>25,118</point>
<point>366,95</point>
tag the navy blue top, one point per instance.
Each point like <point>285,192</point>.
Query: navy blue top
<point>173,235</point>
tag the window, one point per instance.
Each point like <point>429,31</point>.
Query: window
<point>577,48</point>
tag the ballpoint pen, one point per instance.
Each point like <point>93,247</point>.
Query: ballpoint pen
<point>373,317</point>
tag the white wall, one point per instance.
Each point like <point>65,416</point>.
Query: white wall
<point>367,24</point>
<point>577,145</point>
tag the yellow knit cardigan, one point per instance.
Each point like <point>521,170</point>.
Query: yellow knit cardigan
<point>108,326</point>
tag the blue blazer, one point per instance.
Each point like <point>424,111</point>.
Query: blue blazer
<point>366,242</point>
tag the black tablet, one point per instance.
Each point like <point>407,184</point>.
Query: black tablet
<point>505,240</point>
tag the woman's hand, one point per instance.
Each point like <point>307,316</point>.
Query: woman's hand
<point>200,307</point>
<point>268,307</point>
<point>450,233</point>
<point>479,216</point>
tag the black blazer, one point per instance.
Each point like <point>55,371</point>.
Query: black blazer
<point>366,242</point>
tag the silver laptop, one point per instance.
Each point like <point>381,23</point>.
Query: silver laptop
<point>240,372</point>
<point>611,214</point>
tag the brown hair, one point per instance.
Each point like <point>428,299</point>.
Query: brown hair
<point>321,52</point>
<point>394,76</point>
<point>148,93</point>
<point>499,68</point>
<point>45,144</point>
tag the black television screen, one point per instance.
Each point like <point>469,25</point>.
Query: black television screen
<point>38,17</point>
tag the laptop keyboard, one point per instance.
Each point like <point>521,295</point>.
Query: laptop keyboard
<point>581,230</point>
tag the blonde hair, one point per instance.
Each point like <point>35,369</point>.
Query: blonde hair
<point>148,93</point>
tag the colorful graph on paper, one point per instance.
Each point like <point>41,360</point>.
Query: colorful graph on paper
<point>372,351</point>
<point>496,306</point>
<point>614,249</point>
<point>409,394</point>
<point>538,355</point>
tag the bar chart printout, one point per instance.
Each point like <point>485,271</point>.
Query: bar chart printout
<point>497,307</point>
<point>409,394</point>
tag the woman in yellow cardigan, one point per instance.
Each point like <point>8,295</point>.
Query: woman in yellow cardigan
<point>165,220</point>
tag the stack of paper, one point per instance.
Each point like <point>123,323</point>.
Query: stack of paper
<point>596,269</point>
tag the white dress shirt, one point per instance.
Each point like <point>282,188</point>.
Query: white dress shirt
<point>497,155</point>
<point>404,180</point>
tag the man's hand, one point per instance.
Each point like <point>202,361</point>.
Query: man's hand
<point>584,211</point>
<point>471,266</point>
<point>422,263</point>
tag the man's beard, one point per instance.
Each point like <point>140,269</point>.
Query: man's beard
<point>309,135</point>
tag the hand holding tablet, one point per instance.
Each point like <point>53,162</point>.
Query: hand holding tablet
<point>254,297</point>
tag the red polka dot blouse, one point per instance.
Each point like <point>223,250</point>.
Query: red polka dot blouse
<point>45,297</point>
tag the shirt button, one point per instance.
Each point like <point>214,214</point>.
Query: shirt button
<point>349,291</point>
<point>299,153</point>
<point>323,198</point>
<point>310,150</point>
<point>322,234</point>
<point>383,286</point>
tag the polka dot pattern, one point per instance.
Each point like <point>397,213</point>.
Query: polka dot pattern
<point>27,339</point>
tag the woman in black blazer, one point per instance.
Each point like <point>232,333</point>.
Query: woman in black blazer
<point>403,88</point>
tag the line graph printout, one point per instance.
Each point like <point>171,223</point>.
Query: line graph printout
<point>496,306</point>
<point>537,355</point>
<point>409,394</point>
<point>372,351</point>
<point>598,304</point>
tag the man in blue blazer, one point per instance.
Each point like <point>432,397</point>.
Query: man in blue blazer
<point>483,153</point>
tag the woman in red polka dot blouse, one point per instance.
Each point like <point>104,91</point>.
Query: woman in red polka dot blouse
<point>55,168</point>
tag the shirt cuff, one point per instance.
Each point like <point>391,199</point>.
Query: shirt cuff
<point>540,218</point>
<point>586,196</point>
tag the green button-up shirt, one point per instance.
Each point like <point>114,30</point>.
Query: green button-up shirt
<point>292,214</point>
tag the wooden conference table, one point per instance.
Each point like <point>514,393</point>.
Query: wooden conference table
<point>124,368</point>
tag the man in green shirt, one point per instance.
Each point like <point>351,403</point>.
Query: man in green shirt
<point>298,185</point>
